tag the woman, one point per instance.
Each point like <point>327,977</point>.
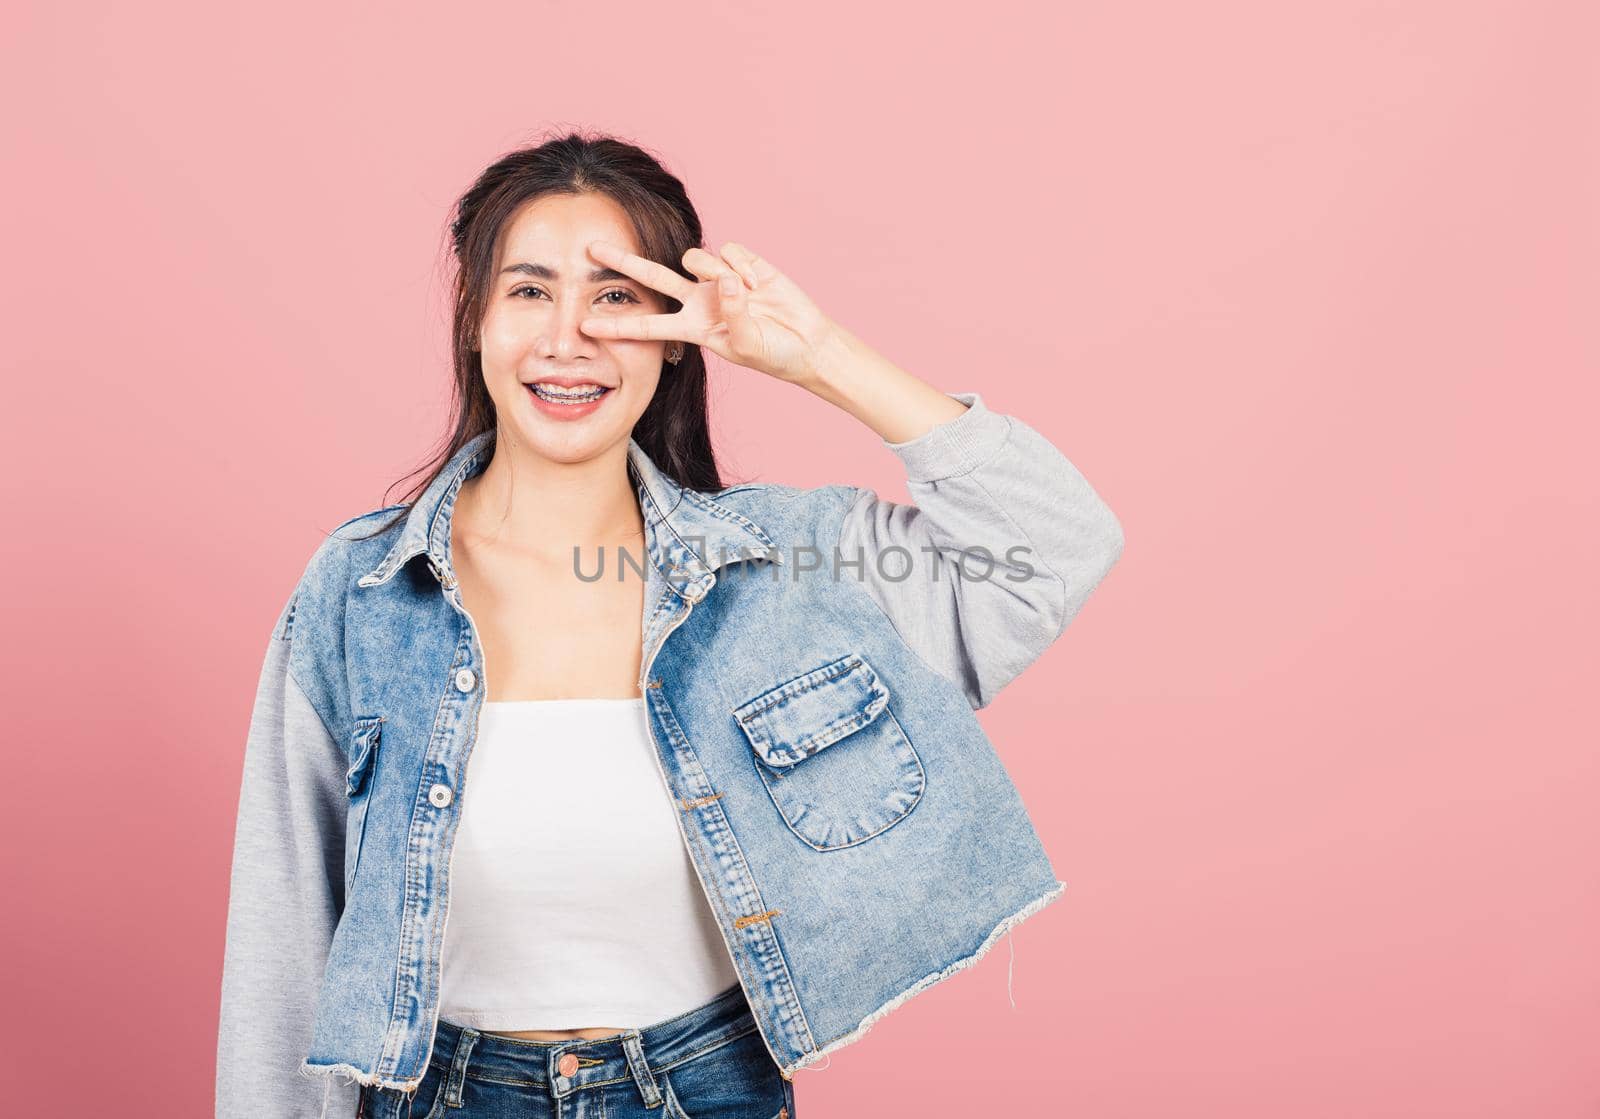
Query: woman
<point>683,841</point>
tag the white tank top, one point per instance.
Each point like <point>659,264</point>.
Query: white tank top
<point>573,902</point>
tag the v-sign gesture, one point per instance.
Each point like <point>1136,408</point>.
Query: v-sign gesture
<point>742,309</point>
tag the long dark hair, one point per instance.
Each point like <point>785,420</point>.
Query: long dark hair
<point>674,429</point>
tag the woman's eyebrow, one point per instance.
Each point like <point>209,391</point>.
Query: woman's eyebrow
<point>545,272</point>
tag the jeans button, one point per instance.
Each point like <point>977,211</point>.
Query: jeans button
<point>466,679</point>
<point>439,796</point>
<point>567,1065</point>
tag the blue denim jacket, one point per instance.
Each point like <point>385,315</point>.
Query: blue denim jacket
<point>812,663</point>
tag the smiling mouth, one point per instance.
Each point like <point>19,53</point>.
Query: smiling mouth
<point>582,394</point>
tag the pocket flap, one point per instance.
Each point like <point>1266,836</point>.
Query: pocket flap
<point>363,751</point>
<point>794,720</point>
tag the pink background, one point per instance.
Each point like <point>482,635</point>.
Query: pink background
<point>1307,290</point>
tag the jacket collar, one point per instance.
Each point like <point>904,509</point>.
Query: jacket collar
<point>688,535</point>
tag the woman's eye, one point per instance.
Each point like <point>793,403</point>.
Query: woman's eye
<point>627,296</point>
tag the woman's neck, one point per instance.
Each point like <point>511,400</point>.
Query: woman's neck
<point>534,505</point>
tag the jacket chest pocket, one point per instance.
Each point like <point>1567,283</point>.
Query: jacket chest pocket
<point>835,760</point>
<point>359,781</point>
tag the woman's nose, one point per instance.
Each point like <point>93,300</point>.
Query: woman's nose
<point>562,336</point>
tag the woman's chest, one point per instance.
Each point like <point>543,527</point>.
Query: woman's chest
<point>550,637</point>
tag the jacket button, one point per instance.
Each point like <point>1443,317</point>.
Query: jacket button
<point>465,679</point>
<point>439,796</point>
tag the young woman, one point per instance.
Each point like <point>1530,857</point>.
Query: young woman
<point>688,773</point>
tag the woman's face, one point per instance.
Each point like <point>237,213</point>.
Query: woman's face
<point>544,284</point>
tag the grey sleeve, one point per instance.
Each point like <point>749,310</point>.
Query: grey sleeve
<point>1038,540</point>
<point>285,897</point>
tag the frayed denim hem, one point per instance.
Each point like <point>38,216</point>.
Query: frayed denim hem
<point>927,981</point>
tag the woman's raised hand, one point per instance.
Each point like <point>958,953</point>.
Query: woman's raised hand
<point>742,309</point>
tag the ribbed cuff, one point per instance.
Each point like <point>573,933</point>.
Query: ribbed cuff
<point>955,446</point>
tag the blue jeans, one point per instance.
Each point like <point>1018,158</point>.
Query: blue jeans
<point>707,1063</point>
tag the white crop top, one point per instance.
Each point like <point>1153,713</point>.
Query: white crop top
<point>573,902</point>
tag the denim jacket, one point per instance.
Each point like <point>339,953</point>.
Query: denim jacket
<point>812,661</point>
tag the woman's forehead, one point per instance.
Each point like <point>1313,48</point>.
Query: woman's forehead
<point>558,228</point>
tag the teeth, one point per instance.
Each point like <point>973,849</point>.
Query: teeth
<point>562,395</point>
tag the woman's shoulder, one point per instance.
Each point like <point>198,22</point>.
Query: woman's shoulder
<point>774,493</point>
<point>789,516</point>
<point>373,523</point>
<point>338,555</point>
<point>780,504</point>
<point>364,536</point>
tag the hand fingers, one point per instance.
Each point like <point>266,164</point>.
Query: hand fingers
<point>705,266</point>
<point>754,270</point>
<point>644,328</point>
<point>742,330</point>
<point>647,272</point>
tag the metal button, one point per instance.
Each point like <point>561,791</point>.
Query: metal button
<point>466,679</point>
<point>439,796</point>
<point>567,1065</point>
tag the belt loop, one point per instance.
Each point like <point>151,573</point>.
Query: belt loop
<point>641,1068</point>
<point>458,1067</point>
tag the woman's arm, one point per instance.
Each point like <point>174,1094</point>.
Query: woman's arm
<point>1038,538</point>
<point>285,897</point>
<point>982,481</point>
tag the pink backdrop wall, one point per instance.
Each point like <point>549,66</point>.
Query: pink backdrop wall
<point>1307,291</point>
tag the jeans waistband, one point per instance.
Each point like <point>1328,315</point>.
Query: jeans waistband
<point>569,1066</point>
